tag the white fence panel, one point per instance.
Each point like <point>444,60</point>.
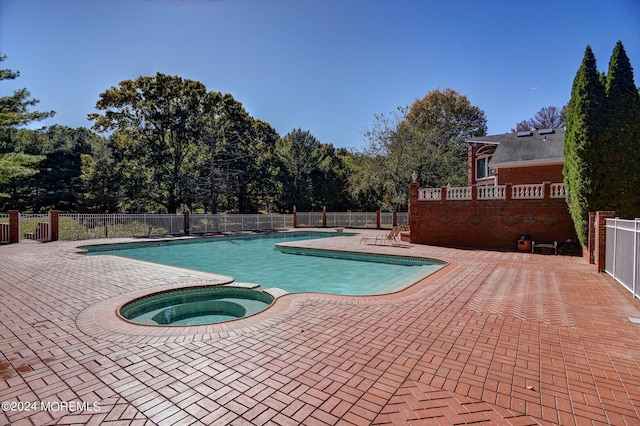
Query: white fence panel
<point>34,226</point>
<point>4,228</point>
<point>623,248</point>
<point>309,219</point>
<point>386,220</point>
<point>403,218</point>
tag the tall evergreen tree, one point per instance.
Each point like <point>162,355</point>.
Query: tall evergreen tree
<point>583,171</point>
<point>621,142</point>
<point>14,113</point>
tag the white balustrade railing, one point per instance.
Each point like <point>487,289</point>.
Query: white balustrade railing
<point>527,192</point>
<point>492,192</point>
<point>429,194</point>
<point>459,193</point>
<point>486,192</point>
<point>557,190</point>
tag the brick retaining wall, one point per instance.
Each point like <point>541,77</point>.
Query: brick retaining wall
<point>489,224</point>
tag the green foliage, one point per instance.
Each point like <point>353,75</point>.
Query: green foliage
<point>428,138</point>
<point>621,138</point>
<point>312,175</point>
<point>162,118</point>
<point>582,169</point>
<point>56,183</point>
<point>602,164</point>
<point>170,142</point>
<point>15,112</point>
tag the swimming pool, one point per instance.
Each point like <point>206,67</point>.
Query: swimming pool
<point>255,259</point>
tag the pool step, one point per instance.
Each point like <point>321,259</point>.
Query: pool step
<point>242,285</point>
<point>275,292</point>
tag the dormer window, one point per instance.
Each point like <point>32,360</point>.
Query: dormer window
<point>483,159</point>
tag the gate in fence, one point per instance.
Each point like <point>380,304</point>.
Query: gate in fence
<point>15,226</point>
<point>622,252</point>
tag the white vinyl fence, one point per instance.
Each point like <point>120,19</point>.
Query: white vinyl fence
<point>81,226</point>
<point>209,223</point>
<point>4,228</point>
<point>622,252</point>
<point>350,219</point>
<point>87,226</point>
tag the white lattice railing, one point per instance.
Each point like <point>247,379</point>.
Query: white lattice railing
<point>558,191</point>
<point>459,193</point>
<point>527,192</point>
<point>492,192</point>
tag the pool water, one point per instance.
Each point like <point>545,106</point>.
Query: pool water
<point>255,259</point>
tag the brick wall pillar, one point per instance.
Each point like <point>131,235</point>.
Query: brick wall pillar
<point>600,238</point>
<point>394,220</point>
<point>54,222</point>
<point>547,190</point>
<point>14,226</point>
<point>378,219</point>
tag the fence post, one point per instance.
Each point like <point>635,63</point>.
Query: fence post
<point>378,219</point>
<point>54,219</point>
<point>635,256</point>
<point>394,218</point>
<point>295,217</point>
<point>600,239</point>
<point>14,226</point>
<point>324,217</point>
<point>186,221</point>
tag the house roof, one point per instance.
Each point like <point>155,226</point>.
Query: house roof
<point>539,147</point>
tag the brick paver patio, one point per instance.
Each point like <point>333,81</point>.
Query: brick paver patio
<point>493,338</point>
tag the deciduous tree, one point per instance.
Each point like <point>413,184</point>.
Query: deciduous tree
<point>550,117</point>
<point>427,138</point>
<point>165,119</point>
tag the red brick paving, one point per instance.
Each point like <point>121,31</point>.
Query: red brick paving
<point>493,338</point>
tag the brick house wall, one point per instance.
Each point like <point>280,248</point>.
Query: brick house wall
<point>530,174</point>
<point>488,224</point>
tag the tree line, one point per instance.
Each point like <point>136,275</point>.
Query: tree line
<point>163,143</point>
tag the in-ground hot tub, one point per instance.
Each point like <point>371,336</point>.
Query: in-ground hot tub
<point>195,306</point>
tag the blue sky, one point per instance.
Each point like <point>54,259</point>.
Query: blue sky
<point>322,66</point>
